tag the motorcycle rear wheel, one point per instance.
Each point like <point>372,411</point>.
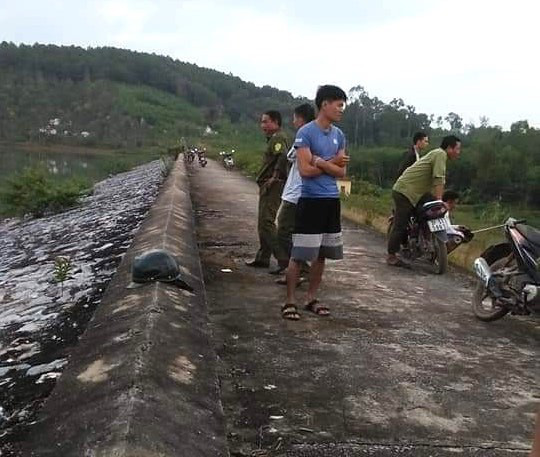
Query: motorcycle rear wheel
<point>480,296</point>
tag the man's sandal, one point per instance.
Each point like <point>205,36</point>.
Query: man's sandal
<point>399,264</point>
<point>315,307</point>
<point>283,281</point>
<point>290,311</point>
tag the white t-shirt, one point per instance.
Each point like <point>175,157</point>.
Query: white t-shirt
<point>293,186</point>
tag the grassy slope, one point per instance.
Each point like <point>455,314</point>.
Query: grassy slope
<point>161,110</point>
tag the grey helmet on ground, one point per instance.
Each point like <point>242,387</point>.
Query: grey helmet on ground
<point>156,265</point>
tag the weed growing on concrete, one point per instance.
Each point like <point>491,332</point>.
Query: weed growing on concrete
<point>62,267</point>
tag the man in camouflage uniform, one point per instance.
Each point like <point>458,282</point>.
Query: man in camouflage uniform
<point>271,179</point>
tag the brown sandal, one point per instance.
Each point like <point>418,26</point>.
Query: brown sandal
<point>290,311</point>
<point>315,307</point>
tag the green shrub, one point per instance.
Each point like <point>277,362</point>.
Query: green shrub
<point>494,213</point>
<point>36,192</point>
<point>166,164</point>
<point>360,187</point>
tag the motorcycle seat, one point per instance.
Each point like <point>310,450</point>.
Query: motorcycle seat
<point>530,233</point>
<point>431,210</point>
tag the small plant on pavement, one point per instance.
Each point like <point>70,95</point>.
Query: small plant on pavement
<point>62,267</point>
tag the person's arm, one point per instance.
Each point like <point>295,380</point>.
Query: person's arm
<point>439,175</point>
<point>341,160</point>
<point>438,191</point>
<point>331,168</point>
<point>280,167</point>
<point>278,147</point>
<point>305,168</point>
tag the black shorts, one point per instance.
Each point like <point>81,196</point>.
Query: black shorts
<point>317,231</point>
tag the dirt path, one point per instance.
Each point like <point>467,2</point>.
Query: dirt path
<point>401,367</point>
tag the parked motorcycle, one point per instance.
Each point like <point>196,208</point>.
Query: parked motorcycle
<point>202,160</point>
<point>427,236</point>
<point>189,155</point>
<point>228,160</point>
<point>509,275</point>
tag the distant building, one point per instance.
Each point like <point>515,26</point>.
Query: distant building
<point>53,128</point>
<point>344,186</point>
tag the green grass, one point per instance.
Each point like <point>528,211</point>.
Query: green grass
<point>165,113</point>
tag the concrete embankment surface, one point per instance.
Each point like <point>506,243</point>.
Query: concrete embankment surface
<point>400,368</point>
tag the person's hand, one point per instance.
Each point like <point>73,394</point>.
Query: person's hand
<point>269,183</point>
<point>314,160</point>
<point>341,161</point>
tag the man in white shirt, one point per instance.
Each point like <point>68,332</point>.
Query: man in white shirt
<point>451,198</point>
<point>291,193</point>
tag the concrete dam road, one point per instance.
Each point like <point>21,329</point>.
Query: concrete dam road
<point>400,368</point>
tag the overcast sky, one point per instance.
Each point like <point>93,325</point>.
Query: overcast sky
<point>473,57</point>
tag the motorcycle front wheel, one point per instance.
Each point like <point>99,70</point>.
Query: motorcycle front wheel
<point>483,305</point>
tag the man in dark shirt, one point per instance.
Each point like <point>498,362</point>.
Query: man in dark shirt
<point>420,141</point>
<point>271,179</point>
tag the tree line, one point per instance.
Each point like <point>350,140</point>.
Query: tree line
<point>496,165</point>
<point>127,98</point>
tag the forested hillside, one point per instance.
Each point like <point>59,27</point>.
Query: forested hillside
<point>121,98</point>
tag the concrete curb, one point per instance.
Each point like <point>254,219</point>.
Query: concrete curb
<point>142,380</point>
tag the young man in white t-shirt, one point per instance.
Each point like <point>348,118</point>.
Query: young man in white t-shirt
<point>291,193</point>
